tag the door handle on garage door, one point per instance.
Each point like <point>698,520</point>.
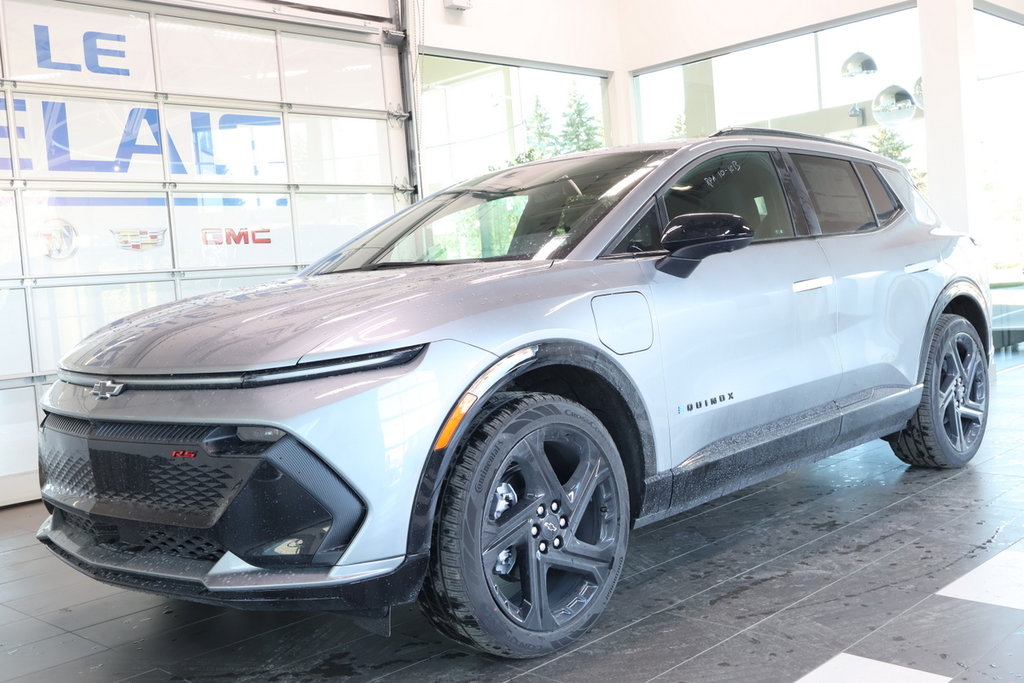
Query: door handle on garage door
<point>813,283</point>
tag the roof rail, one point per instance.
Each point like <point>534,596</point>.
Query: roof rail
<point>740,130</point>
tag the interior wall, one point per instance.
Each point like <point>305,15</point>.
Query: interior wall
<point>579,34</point>
<point>656,32</point>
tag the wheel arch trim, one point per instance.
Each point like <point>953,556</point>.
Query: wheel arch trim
<point>498,375</point>
<point>967,293</point>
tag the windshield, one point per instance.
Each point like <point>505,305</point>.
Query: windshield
<point>539,211</point>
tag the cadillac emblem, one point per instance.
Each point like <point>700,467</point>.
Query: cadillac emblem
<point>139,240</point>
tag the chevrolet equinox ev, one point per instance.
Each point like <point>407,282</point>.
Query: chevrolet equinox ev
<point>474,402</point>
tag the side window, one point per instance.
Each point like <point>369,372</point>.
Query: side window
<point>881,199</point>
<point>645,235</point>
<point>743,183</point>
<point>836,194</point>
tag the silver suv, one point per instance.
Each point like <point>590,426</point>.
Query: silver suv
<point>472,403</point>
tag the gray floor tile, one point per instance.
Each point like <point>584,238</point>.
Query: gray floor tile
<point>44,654</point>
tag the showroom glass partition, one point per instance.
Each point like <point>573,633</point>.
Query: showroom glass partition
<point>859,82</point>
<point>999,210</point>
<point>479,116</point>
<point>154,153</point>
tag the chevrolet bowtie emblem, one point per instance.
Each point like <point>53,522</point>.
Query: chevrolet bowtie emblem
<point>106,389</point>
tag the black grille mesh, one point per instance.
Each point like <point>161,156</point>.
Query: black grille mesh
<point>67,474</point>
<point>141,432</point>
<point>191,547</point>
<point>185,543</point>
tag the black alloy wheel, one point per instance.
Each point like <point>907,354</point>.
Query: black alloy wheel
<point>948,427</point>
<point>531,534</point>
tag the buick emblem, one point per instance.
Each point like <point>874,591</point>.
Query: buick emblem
<point>106,389</point>
<point>60,239</point>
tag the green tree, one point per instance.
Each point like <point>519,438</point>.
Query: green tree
<point>888,143</point>
<point>541,142</point>
<point>679,129</point>
<point>580,131</point>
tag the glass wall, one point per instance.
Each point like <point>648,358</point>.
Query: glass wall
<point>859,82</point>
<point>131,179</point>
<point>1000,211</point>
<point>478,116</point>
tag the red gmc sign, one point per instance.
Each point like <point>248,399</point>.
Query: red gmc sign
<point>240,236</point>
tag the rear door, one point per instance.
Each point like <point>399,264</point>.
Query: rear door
<point>886,269</point>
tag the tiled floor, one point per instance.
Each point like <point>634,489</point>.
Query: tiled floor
<point>856,569</point>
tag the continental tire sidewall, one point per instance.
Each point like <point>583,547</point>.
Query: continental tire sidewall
<point>948,455</point>
<point>490,617</point>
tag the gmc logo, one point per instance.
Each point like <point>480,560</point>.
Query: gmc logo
<point>240,236</point>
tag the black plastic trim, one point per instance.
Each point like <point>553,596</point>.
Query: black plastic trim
<point>960,287</point>
<point>553,352</point>
<point>771,132</point>
<point>397,587</point>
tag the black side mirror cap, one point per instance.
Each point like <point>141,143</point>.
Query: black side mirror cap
<point>694,236</point>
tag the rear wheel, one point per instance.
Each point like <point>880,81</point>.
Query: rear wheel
<point>949,425</point>
<point>531,533</point>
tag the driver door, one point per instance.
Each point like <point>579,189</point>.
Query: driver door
<point>748,338</point>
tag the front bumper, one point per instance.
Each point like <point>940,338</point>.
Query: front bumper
<point>138,499</point>
<point>230,582</point>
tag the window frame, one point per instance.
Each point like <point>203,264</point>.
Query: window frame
<point>811,215</point>
<point>897,204</point>
<point>802,229</point>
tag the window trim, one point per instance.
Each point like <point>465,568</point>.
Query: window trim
<point>808,205</point>
<point>802,228</point>
<point>885,188</point>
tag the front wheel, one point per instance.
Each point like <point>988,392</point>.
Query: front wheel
<point>948,427</point>
<point>531,533</point>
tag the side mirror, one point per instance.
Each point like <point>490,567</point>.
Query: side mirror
<point>695,236</point>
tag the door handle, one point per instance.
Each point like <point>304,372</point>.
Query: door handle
<point>813,283</point>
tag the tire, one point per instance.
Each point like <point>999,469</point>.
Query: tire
<point>530,535</point>
<point>949,425</point>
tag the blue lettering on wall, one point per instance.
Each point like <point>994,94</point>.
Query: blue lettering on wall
<point>90,47</point>
<point>93,52</point>
<point>58,147</point>
<point>142,134</point>
<point>130,146</point>
<point>44,56</point>
<point>202,145</point>
<point>5,162</point>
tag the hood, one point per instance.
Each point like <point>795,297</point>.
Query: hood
<point>279,323</point>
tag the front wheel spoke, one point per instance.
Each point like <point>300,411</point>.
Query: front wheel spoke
<point>538,616</point>
<point>534,463</point>
<point>973,412</point>
<point>953,352</point>
<point>583,558</point>
<point>584,481</point>
<point>971,369</point>
<point>958,425</point>
<point>504,533</point>
<point>947,397</point>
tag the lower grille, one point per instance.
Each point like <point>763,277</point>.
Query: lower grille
<point>191,544</point>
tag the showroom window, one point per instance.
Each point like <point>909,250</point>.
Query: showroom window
<point>478,116</point>
<point>859,82</point>
<point>132,179</point>
<point>999,213</point>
